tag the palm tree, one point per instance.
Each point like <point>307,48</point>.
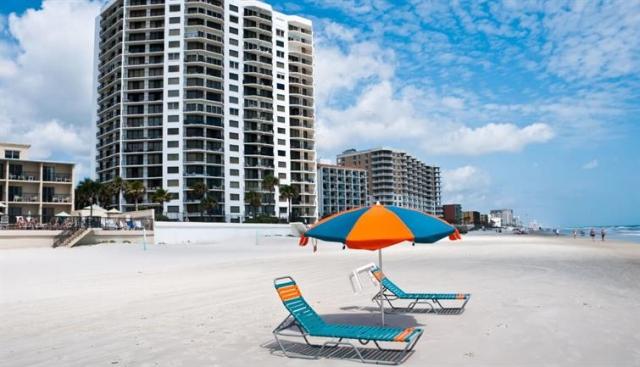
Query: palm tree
<point>118,187</point>
<point>161,196</point>
<point>87,192</point>
<point>254,199</point>
<point>289,193</point>
<point>269,183</point>
<point>198,192</point>
<point>135,191</point>
<point>207,203</point>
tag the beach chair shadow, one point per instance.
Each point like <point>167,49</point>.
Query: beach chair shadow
<point>390,313</point>
<point>306,351</point>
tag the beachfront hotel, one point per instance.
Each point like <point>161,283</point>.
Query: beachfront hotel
<point>502,217</point>
<point>33,190</point>
<point>211,91</point>
<point>340,188</point>
<point>397,178</point>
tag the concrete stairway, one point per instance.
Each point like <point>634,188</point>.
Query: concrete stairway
<point>71,237</point>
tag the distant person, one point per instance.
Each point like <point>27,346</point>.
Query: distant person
<point>592,234</point>
<point>602,233</point>
<point>575,233</point>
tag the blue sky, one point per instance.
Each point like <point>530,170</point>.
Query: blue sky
<point>529,105</point>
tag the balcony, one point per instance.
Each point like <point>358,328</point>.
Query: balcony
<point>25,176</point>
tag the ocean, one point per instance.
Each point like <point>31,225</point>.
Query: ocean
<point>630,233</point>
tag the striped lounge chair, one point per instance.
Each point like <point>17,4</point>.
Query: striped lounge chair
<point>304,322</point>
<point>391,293</point>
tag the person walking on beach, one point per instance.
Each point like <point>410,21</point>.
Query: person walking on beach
<point>602,233</point>
<point>592,234</point>
<point>575,233</point>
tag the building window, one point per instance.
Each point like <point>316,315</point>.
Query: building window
<point>173,183</point>
<point>174,32</point>
<point>12,154</point>
<point>280,43</point>
<point>173,105</point>
<point>233,88</point>
<point>278,53</point>
<point>233,19</point>
<point>280,86</point>
<point>233,100</point>
<point>173,93</point>
<point>174,20</point>
<point>174,81</point>
<point>282,176</point>
<point>233,136</point>
<point>174,7</point>
<point>234,160</point>
<point>233,30</point>
<point>279,33</point>
<point>281,142</point>
<point>280,76</point>
<point>282,164</point>
<point>233,8</point>
<point>173,131</point>
<point>174,56</point>
<point>173,118</point>
<point>281,119</point>
<point>280,65</point>
<point>235,209</point>
<point>233,123</point>
<point>233,76</point>
<point>233,65</point>
<point>281,109</point>
<point>281,130</point>
<point>282,153</point>
<point>174,44</point>
<point>280,97</point>
<point>234,172</point>
<point>174,68</point>
<point>173,169</point>
<point>233,53</point>
<point>235,197</point>
<point>234,184</point>
<point>233,42</point>
<point>234,148</point>
<point>234,111</point>
<point>173,144</point>
<point>173,157</point>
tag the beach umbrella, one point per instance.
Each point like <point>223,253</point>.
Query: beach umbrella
<point>62,214</point>
<point>379,226</point>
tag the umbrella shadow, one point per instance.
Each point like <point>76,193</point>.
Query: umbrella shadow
<point>371,318</point>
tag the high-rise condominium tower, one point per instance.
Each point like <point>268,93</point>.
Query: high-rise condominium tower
<point>397,178</point>
<point>212,91</point>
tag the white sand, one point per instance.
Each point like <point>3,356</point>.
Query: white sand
<point>536,301</point>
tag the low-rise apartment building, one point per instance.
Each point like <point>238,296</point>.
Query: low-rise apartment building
<point>31,188</point>
<point>340,188</point>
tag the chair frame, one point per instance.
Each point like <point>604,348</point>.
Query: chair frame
<point>433,305</point>
<point>290,322</point>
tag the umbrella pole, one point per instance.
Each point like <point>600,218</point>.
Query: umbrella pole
<point>381,304</point>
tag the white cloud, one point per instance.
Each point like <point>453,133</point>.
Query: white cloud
<point>467,185</point>
<point>46,77</point>
<point>493,138</point>
<point>590,165</point>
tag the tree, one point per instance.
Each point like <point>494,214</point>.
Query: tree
<point>254,199</point>
<point>198,192</point>
<point>269,183</point>
<point>118,186</point>
<point>288,193</point>
<point>161,196</point>
<point>207,203</point>
<point>87,192</point>
<point>135,191</point>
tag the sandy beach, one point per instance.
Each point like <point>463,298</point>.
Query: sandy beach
<point>536,301</point>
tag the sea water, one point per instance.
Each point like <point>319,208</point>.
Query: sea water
<point>630,233</point>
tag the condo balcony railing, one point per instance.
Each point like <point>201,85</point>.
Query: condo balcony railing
<point>25,198</point>
<point>57,198</point>
<point>25,176</point>
<point>57,177</point>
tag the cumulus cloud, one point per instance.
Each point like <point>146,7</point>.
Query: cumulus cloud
<point>590,165</point>
<point>466,184</point>
<point>46,77</point>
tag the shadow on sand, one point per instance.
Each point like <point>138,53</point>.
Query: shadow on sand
<point>300,349</point>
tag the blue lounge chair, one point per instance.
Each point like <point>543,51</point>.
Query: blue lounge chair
<point>309,324</point>
<point>391,293</point>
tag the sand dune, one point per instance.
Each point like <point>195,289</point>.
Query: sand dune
<point>536,301</point>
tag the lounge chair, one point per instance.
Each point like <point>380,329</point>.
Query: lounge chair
<point>309,324</point>
<point>392,293</point>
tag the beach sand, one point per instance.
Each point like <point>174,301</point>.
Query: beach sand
<point>535,301</point>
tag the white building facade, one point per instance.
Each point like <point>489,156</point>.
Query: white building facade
<point>211,91</point>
